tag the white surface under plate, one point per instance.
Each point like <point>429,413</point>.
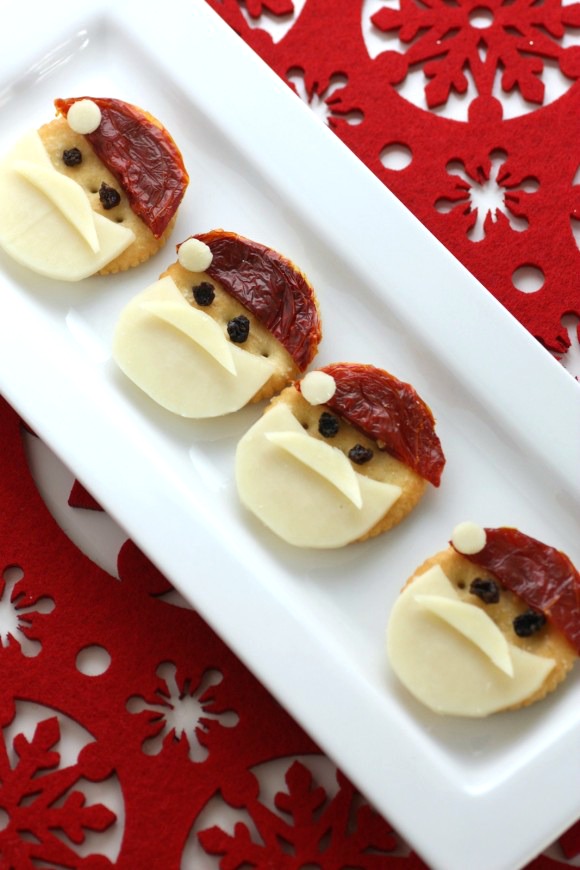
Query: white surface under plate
<point>484,794</point>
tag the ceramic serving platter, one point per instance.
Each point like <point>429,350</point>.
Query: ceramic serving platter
<point>488,794</point>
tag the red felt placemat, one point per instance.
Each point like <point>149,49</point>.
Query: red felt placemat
<point>469,112</point>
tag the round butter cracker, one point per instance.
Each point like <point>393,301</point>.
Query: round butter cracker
<point>548,642</point>
<point>381,467</point>
<point>57,137</point>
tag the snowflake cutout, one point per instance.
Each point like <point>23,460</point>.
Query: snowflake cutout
<point>16,609</point>
<point>307,829</point>
<point>273,17</point>
<point>504,42</point>
<point>37,804</point>
<point>184,715</point>
<point>256,8</point>
<point>491,197</point>
<point>325,101</point>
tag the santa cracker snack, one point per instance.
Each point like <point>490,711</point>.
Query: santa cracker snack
<point>96,190</point>
<point>340,456</point>
<point>230,323</point>
<point>490,624</point>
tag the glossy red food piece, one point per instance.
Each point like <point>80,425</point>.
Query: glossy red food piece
<point>143,158</point>
<point>388,411</point>
<point>269,286</point>
<point>541,576</point>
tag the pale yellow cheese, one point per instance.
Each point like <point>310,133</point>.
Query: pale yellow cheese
<point>196,324</point>
<point>445,670</point>
<point>472,622</point>
<point>296,502</point>
<point>65,194</point>
<point>327,461</point>
<point>34,230</point>
<point>176,363</point>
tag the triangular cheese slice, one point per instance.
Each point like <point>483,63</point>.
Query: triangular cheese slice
<point>474,624</point>
<point>327,461</point>
<point>444,669</point>
<point>197,325</point>
<point>177,372</point>
<point>35,233</point>
<point>65,194</point>
<point>302,506</point>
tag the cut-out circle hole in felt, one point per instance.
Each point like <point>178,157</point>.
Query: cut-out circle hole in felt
<point>396,156</point>
<point>481,18</point>
<point>93,661</point>
<point>12,574</point>
<point>4,819</point>
<point>528,278</point>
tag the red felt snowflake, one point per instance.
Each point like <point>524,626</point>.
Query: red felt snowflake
<point>305,828</point>
<point>37,804</point>
<point>511,38</point>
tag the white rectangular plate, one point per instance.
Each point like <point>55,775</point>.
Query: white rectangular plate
<point>484,794</point>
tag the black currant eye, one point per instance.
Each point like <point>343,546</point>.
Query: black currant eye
<point>359,454</point>
<point>239,329</point>
<point>328,425</point>
<point>528,623</point>
<point>485,589</point>
<point>72,157</point>
<point>109,196</point>
<point>203,293</point>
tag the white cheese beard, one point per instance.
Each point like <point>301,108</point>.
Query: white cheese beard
<point>453,667</point>
<point>46,221</point>
<point>304,495</point>
<point>181,357</point>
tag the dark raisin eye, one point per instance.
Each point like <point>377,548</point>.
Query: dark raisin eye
<point>72,157</point>
<point>109,196</point>
<point>359,454</point>
<point>204,293</point>
<point>528,623</point>
<point>239,328</point>
<point>486,589</point>
<point>328,425</point>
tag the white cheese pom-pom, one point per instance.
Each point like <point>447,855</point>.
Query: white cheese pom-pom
<point>194,255</point>
<point>84,116</point>
<point>317,387</point>
<point>468,538</point>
